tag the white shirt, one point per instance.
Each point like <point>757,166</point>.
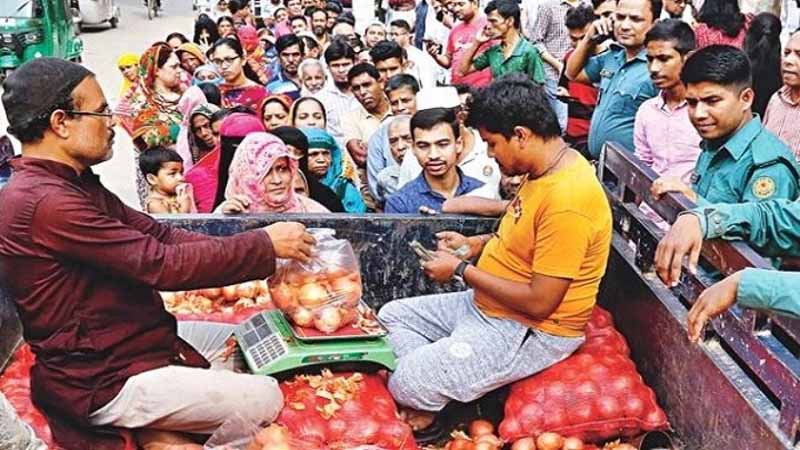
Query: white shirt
<point>478,164</point>
<point>425,68</point>
<point>337,104</point>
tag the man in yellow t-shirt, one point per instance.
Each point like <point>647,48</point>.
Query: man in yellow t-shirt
<point>536,279</point>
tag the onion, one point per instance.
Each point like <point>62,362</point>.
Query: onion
<point>329,320</point>
<point>312,295</point>
<point>623,446</point>
<point>633,406</point>
<point>487,442</point>
<point>247,289</point>
<point>460,444</point>
<point>284,296</point>
<point>334,272</point>
<point>302,317</point>
<point>573,443</point>
<point>608,407</point>
<point>549,441</point>
<point>524,444</point>
<point>479,428</point>
<point>229,293</point>
<point>348,288</point>
<point>262,286</point>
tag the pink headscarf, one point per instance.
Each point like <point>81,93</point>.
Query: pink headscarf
<point>191,99</point>
<point>248,36</point>
<point>253,160</point>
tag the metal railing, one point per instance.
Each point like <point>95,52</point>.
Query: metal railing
<point>766,346</point>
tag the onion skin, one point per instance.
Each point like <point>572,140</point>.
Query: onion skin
<point>573,443</point>
<point>623,446</point>
<point>284,296</point>
<point>549,441</point>
<point>479,428</point>
<point>527,443</point>
<point>312,295</point>
<point>329,320</point>
<point>248,290</point>
<point>229,293</point>
<point>302,317</point>
<point>460,444</point>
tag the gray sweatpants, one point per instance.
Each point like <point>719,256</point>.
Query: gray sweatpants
<point>447,350</point>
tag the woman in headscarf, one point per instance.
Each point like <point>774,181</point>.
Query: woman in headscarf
<point>324,162</point>
<point>205,32</point>
<point>262,177</point>
<point>190,146</point>
<point>128,65</point>
<point>274,111</point>
<point>149,113</point>
<point>207,73</point>
<point>257,67</point>
<point>191,57</point>
<point>308,112</point>
<point>228,56</point>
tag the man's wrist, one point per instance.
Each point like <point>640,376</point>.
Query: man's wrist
<point>701,218</point>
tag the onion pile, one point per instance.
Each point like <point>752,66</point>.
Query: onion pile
<point>220,300</point>
<point>326,300</point>
<point>481,437</point>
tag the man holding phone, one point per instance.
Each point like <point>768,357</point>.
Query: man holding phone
<point>621,72</point>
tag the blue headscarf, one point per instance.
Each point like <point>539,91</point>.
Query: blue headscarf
<point>335,178</point>
<point>206,68</point>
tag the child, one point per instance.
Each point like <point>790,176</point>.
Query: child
<point>169,193</point>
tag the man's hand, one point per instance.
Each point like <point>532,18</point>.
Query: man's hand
<point>671,184</point>
<point>291,240</point>
<point>441,267</point>
<point>603,26</point>
<point>358,150</point>
<point>684,238</point>
<point>235,205</point>
<point>711,303</point>
<point>486,34</point>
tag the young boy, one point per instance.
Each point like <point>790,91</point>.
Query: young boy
<point>169,193</point>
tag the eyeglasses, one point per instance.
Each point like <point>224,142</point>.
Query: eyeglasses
<point>105,113</point>
<point>224,61</point>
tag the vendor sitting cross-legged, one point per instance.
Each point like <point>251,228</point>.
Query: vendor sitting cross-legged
<point>535,282</point>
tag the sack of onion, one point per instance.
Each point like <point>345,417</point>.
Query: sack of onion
<point>594,395</point>
<point>323,293</point>
<point>229,304</point>
<point>342,411</point>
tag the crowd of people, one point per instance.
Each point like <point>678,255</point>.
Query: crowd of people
<point>496,109</point>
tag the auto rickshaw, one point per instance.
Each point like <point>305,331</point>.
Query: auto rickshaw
<point>34,28</point>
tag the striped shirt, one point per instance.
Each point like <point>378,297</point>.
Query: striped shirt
<point>782,117</point>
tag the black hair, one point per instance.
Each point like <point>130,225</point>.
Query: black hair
<point>762,45</point>
<point>400,81</point>
<point>280,8</point>
<point>293,18</point>
<point>286,3</point>
<point>655,8</point>
<point>400,23</point>
<point>229,42</point>
<point>311,10</point>
<point>345,18</point>
<point>223,113</point>
<point>205,23</point>
<point>722,15</point>
<point>211,91</point>
<point>225,19</point>
<point>333,7</point>
<point>34,129</point>
<point>235,5</point>
<point>429,118</point>
<point>673,30</point>
<point>384,50</point>
<point>180,36</point>
<point>240,109</point>
<point>363,68</point>
<point>596,3</point>
<point>579,16</point>
<point>292,136</point>
<point>719,64</point>
<point>301,100</point>
<point>464,89</point>
<point>339,49</point>
<point>150,160</point>
<point>309,43</point>
<point>506,9</point>
<point>513,101</point>
<point>288,40</point>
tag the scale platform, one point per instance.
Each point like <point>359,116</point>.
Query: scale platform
<point>270,347</point>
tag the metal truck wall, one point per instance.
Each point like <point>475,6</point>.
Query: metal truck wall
<point>711,403</point>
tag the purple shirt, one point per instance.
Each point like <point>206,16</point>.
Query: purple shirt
<point>665,139</point>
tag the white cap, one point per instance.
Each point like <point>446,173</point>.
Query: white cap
<point>438,97</point>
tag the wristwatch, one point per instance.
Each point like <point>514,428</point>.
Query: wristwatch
<point>460,268</point>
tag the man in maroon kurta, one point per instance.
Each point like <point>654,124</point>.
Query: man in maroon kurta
<point>85,270</point>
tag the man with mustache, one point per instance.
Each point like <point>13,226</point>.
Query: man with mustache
<point>621,72</point>
<point>741,161</point>
<point>783,109</point>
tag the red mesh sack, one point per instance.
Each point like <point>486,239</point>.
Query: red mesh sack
<point>355,410</point>
<point>595,394</point>
<point>15,384</point>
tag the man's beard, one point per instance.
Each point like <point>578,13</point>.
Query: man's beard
<point>320,31</point>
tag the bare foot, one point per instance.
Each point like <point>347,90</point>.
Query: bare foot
<point>418,420</point>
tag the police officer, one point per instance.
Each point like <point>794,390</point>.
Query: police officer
<point>741,160</point>
<point>772,226</point>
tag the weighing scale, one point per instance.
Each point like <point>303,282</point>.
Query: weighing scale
<point>271,346</point>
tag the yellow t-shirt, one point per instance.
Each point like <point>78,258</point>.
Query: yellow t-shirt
<point>559,226</point>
